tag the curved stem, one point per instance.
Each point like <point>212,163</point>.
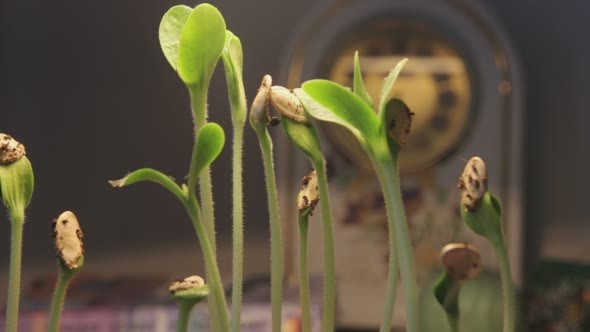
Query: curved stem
<point>399,238</point>
<point>215,284</point>
<point>59,294</point>
<point>12,301</point>
<point>508,293</point>
<point>238,228</point>
<point>303,222</point>
<point>276,246</point>
<point>328,240</point>
<point>184,313</point>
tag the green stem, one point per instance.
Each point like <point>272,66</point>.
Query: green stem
<point>59,295</point>
<point>214,278</point>
<point>328,239</point>
<point>507,286</point>
<point>276,246</point>
<point>198,95</point>
<point>453,322</point>
<point>14,272</point>
<point>184,313</point>
<point>399,238</point>
<point>238,228</point>
<point>303,222</point>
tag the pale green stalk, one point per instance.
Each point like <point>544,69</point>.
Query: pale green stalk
<point>276,246</point>
<point>59,294</point>
<point>507,286</point>
<point>198,97</point>
<point>214,278</point>
<point>400,247</point>
<point>12,302</point>
<point>184,312</point>
<point>238,228</point>
<point>328,241</point>
<point>303,221</point>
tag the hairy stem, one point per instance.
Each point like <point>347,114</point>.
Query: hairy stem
<point>303,222</point>
<point>508,293</point>
<point>238,228</point>
<point>399,246</point>
<point>214,278</point>
<point>328,240</point>
<point>59,294</point>
<point>12,302</point>
<point>276,246</point>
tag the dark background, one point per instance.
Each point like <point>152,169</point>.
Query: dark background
<point>84,86</point>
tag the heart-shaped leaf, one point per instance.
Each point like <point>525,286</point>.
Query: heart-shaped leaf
<point>201,43</point>
<point>329,101</point>
<point>359,84</point>
<point>210,141</point>
<point>388,84</point>
<point>170,31</point>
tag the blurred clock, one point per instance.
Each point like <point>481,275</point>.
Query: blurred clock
<point>463,83</point>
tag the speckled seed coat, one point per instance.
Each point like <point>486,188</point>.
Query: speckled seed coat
<point>309,195</point>
<point>473,183</point>
<point>10,149</point>
<point>287,103</point>
<point>186,283</point>
<point>68,239</point>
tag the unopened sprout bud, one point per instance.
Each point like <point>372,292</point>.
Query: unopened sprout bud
<point>473,183</point>
<point>398,118</point>
<point>309,195</point>
<point>10,149</point>
<point>461,261</point>
<point>259,109</point>
<point>287,104</point>
<point>191,288</point>
<point>68,240</point>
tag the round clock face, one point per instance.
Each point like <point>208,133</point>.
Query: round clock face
<point>435,84</point>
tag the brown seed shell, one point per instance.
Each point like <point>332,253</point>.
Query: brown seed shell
<point>399,121</point>
<point>68,239</point>
<point>461,260</point>
<point>259,109</point>
<point>10,149</point>
<point>473,183</point>
<point>186,283</point>
<point>309,195</point>
<point>287,103</point>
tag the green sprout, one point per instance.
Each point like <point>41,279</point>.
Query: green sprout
<point>306,201</point>
<point>482,213</point>
<point>259,119</point>
<point>16,184</point>
<point>67,237</point>
<point>461,262</point>
<point>187,292</point>
<point>382,136</point>
<point>208,146</point>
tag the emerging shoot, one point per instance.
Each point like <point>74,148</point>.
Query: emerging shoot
<point>69,248</point>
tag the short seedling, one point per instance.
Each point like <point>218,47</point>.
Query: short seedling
<point>461,262</point>
<point>187,292</point>
<point>16,184</point>
<point>482,213</point>
<point>69,248</point>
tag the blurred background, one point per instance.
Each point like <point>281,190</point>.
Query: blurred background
<point>84,85</point>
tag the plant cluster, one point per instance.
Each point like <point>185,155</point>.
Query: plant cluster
<point>193,41</point>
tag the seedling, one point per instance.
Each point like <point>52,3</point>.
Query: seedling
<point>482,213</point>
<point>69,248</point>
<point>382,138</point>
<point>187,292</point>
<point>306,202</point>
<point>259,119</point>
<point>461,262</point>
<point>16,184</point>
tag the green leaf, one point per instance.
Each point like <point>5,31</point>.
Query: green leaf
<point>359,84</point>
<point>201,43</point>
<point>486,219</point>
<point>305,137</point>
<point>210,141</point>
<point>151,175</point>
<point>233,64</point>
<point>17,182</point>
<point>388,84</point>
<point>331,102</point>
<point>170,31</point>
